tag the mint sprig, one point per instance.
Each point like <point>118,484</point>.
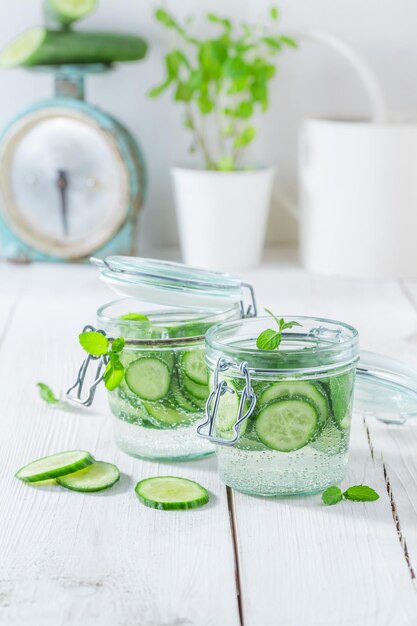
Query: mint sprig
<point>97,344</point>
<point>270,339</point>
<point>47,394</point>
<point>357,493</point>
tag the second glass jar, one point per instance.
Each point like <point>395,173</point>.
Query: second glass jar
<point>163,394</point>
<point>281,418</point>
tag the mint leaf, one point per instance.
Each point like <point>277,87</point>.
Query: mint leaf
<point>137,317</point>
<point>361,493</point>
<point>271,339</point>
<point>268,340</point>
<point>117,345</point>
<point>94,343</point>
<point>47,394</point>
<point>114,372</point>
<point>332,495</point>
<point>285,325</point>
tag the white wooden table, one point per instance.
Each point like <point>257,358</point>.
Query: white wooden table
<point>69,559</point>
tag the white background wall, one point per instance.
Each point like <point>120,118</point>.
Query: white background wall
<point>311,81</point>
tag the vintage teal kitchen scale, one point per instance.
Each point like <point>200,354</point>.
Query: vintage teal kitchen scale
<point>72,178</point>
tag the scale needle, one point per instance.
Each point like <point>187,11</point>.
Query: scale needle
<point>62,184</point>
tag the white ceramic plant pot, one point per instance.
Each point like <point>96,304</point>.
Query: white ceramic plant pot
<point>222,216</point>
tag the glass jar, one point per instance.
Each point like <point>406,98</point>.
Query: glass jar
<point>163,316</point>
<point>160,399</point>
<point>281,418</point>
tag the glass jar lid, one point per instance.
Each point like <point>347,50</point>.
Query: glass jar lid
<point>385,388</point>
<point>173,284</point>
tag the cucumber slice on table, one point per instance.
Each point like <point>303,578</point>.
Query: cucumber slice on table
<point>64,12</point>
<point>39,46</point>
<point>298,389</point>
<point>287,425</point>
<point>54,466</point>
<point>169,493</point>
<point>148,378</point>
<point>95,477</point>
<point>194,366</point>
<point>199,392</point>
<point>166,414</point>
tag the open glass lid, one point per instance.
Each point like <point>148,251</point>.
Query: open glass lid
<point>173,284</point>
<point>385,388</point>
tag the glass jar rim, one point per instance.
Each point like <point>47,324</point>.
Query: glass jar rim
<point>159,318</point>
<point>332,345</point>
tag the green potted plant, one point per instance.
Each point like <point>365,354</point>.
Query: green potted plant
<point>222,82</point>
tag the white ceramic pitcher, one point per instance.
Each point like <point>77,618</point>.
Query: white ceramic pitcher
<point>358,188</point>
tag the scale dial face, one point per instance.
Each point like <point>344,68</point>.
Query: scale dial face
<point>63,184</point>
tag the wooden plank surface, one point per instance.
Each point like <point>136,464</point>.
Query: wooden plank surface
<point>395,448</point>
<point>66,558</point>
<point>342,565</point>
<point>70,558</point>
<point>322,566</point>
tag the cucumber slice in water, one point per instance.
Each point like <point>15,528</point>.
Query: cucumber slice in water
<point>298,389</point>
<point>148,378</point>
<point>166,414</point>
<point>199,392</point>
<point>54,465</point>
<point>287,425</point>
<point>170,493</point>
<point>95,477</point>
<point>195,367</point>
<point>227,410</point>
<point>180,400</point>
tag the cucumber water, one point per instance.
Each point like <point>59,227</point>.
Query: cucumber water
<point>158,403</point>
<point>295,441</point>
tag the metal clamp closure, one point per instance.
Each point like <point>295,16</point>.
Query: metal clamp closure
<point>251,310</point>
<point>82,372</point>
<point>213,401</point>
